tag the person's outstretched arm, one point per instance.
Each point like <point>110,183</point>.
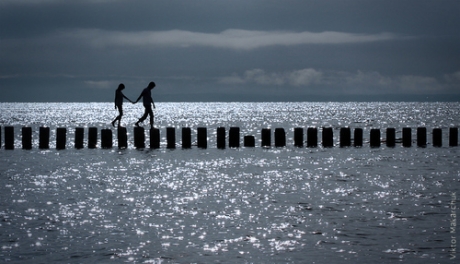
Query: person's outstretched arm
<point>140,96</point>
<point>127,98</point>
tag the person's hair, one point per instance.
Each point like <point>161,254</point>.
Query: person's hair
<point>121,86</point>
<point>151,84</point>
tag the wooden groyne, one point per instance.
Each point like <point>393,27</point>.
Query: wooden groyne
<point>232,139</point>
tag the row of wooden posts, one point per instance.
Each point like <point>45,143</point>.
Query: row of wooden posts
<point>233,137</point>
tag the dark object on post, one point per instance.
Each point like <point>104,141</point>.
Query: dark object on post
<point>421,137</point>
<point>249,141</point>
<point>375,138</point>
<point>154,138</point>
<point>92,137</point>
<point>280,137</point>
<point>79,135</point>
<point>358,137</point>
<point>202,137</point>
<point>266,137</point>
<point>61,137</point>
<point>407,137</point>
<point>437,137</point>
<point>221,137</point>
<point>122,136</point>
<point>328,137</point>
<point>234,137</point>
<point>170,137</point>
<point>44,138</point>
<point>453,137</point>
<point>9,137</point>
<point>186,138</point>
<point>312,137</point>
<point>139,137</point>
<point>26,138</point>
<point>298,137</point>
<point>391,137</point>
<point>106,138</point>
<point>345,137</point>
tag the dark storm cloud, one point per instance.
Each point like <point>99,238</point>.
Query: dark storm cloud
<point>229,50</point>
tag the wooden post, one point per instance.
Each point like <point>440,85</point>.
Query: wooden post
<point>139,137</point>
<point>437,137</point>
<point>312,137</point>
<point>154,138</point>
<point>391,137</point>
<point>298,137</point>
<point>345,137</point>
<point>221,137</point>
<point>106,138</point>
<point>328,137</point>
<point>122,136</point>
<point>358,137</point>
<point>170,137</point>
<point>266,137</point>
<point>202,137</point>
<point>234,137</point>
<point>280,138</point>
<point>249,141</point>
<point>421,137</point>
<point>407,137</point>
<point>44,138</point>
<point>92,137</point>
<point>453,136</point>
<point>61,137</point>
<point>26,138</point>
<point>186,138</point>
<point>9,137</point>
<point>375,138</point>
<point>79,135</point>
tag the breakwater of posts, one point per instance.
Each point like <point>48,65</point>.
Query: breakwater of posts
<point>232,138</point>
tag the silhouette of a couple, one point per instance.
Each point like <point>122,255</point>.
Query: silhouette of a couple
<point>147,101</point>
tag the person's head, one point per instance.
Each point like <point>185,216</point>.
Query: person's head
<point>121,86</point>
<point>151,85</point>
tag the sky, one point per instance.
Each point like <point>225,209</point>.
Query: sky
<point>230,50</point>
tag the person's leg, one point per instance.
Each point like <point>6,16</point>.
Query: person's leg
<point>120,111</point>
<point>151,117</point>
<point>146,113</point>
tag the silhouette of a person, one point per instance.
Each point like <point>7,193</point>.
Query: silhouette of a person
<point>119,103</point>
<point>147,101</point>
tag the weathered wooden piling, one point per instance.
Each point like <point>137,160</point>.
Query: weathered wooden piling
<point>44,138</point>
<point>139,137</point>
<point>298,137</point>
<point>154,138</point>
<point>202,137</point>
<point>106,138</point>
<point>170,137</point>
<point>453,136</point>
<point>234,137</point>
<point>328,137</point>
<point>345,137</point>
<point>249,141</point>
<point>122,137</point>
<point>26,138</point>
<point>221,137</point>
<point>358,137</point>
<point>407,137</point>
<point>92,137</point>
<point>9,137</point>
<point>186,138</point>
<point>421,137</point>
<point>375,138</point>
<point>280,138</point>
<point>79,136</point>
<point>437,137</point>
<point>266,137</point>
<point>312,137</point>
<point>391,137</point>
<point>61,137</point>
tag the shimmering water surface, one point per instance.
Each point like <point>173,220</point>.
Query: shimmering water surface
<point>259,205</point>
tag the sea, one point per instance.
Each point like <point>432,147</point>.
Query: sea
<point>234,205</point>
